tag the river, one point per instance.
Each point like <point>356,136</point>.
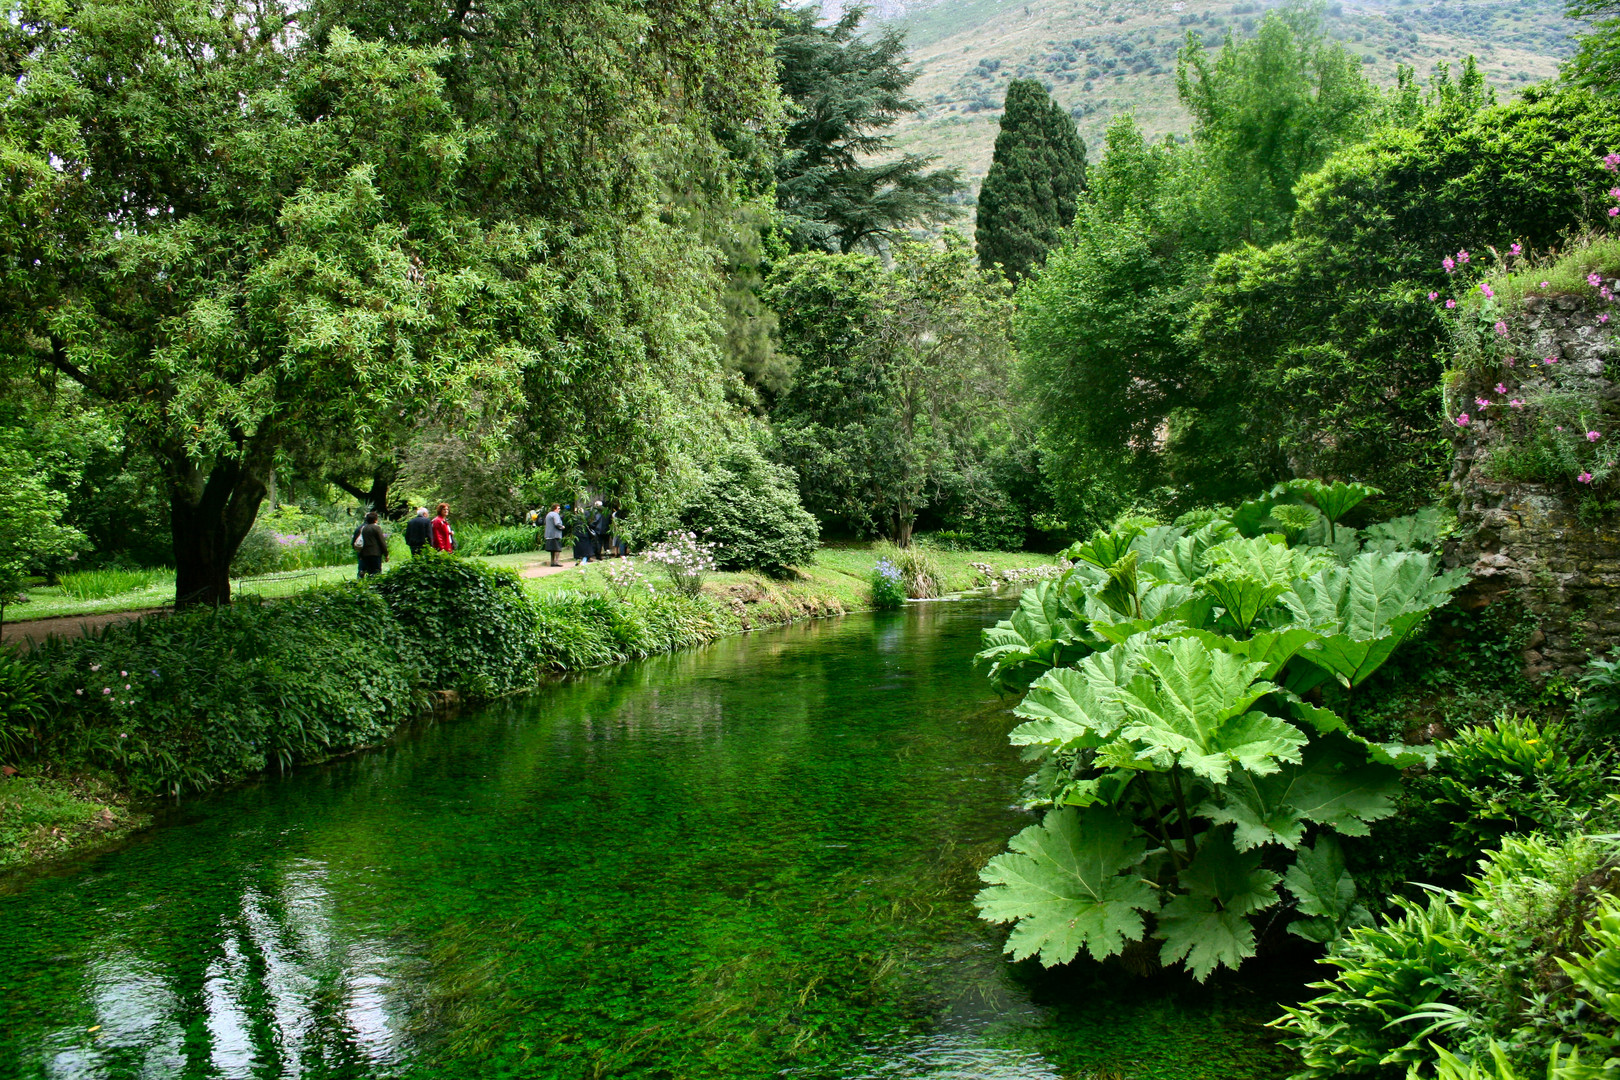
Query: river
<point>753,859</point>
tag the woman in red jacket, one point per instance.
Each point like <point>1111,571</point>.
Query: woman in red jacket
<point>444,538</point>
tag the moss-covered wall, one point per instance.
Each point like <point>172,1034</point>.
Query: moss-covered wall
<point>1550,539</point>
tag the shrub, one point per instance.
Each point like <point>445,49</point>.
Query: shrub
<point>262,552</point>
<point>22,706</point>
<point>512,540</point>
<point>475,627</point>
<point>102,584</point>
<point>685,559</point>
<point>888,586</point>
<point>1510,966</point>
<point>919,571</point>
<point>209,696</point>
<point>749,508</point>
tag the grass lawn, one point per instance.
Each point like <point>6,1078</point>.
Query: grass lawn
<point>836,574</point>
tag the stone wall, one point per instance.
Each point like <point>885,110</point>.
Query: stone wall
<point>1526,538</point>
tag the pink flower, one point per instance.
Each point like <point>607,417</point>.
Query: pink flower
<point>1614,193</point>
<point>1550,360</point>
<point>1482,403</point>
<point>1515,404</point>
<point>1510,361</point>
<point>1612,162</point>
<point>1594,280</point>
<point>126,686</point>
<point>1462,420</point>
<point>1434,296</point>
<point>1486,289</point>
<point>79,692</point>
<point>1449,263</point>
<point>1614,211</point>
<point>1462,257</point>
<point>1585,478</point>
<point>1450,304</point>
<point>1593,436</point>
<point>1560,427</point>
<point>1500,389</point>
<point>106,689</point>
<point>123,674</point>
<point>1515,249</point>
<point>1603,318</point>
<point>1605,293</point>
<point>1500,327</point>
<point>1543,284</point>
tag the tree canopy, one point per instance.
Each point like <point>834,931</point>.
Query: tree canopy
<point>846,91</point>
<point>1036,176</point>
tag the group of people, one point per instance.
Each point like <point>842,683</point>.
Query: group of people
<point>593,533</point>
<point>371,543</point>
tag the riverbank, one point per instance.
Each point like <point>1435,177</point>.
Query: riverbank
<point>197,711</point>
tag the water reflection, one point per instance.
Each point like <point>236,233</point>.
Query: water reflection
<point>728,863</point>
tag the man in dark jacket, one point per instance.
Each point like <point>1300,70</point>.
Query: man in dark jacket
<point>373,546</point>
<point>418,531</point>
<point>601,527</point>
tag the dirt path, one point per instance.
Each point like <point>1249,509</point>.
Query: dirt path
<point>31,631</point>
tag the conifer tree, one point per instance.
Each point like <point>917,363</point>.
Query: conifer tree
<point>1035,180</point>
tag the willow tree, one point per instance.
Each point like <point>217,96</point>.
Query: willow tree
<point>265,228</point>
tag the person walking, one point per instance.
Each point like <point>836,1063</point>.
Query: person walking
<point>357,543</point>
<point>444,537</point>
<point>373,546</point>
<point>419,531</point>
<point>601,527</point>
<point>554,532</point>
<point>582,538</point>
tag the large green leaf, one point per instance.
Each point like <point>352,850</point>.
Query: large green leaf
<point>1247,575</point>
<point>1104,549</point>
<point>1041,634</point>
<point>1067,710</point>
<point>1324,892</point>
<point>1209,926</point>
<point>1418,531</point>
<point>1122,591</point>
<point>1191,707</point>
<point>1066,886</point>
<point>1334,500</point>
<point>1333,785</point>
<point>1272,648</point>
<point>1182,563</point>
<point>1366,609</point>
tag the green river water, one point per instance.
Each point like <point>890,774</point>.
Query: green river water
<point>749,860</point>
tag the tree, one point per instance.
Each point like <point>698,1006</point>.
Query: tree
<point>32,511</point>
<point>1326,347</point>
<point>847,91</point>
<point>1036,176</point>
<point>246,229</point>
<point>900,371</point>
<point>1596,63</point>
<point>1122,405</point>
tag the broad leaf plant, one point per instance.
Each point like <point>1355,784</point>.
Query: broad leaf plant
<point>1190,786</point>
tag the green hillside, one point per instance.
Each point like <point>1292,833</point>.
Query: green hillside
<point>1100,57</point>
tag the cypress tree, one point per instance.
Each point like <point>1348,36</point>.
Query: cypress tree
<point>1034,183</point>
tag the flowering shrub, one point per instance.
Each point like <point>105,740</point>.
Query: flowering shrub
<point>623,577</point>
<point>888,586</point>
<point>686,559</point>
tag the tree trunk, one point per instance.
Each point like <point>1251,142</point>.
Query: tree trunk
<point>904,519</point>
<point>376,498</point>
<point>209,514</point>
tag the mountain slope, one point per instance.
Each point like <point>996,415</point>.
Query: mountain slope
<point>1103,57</point>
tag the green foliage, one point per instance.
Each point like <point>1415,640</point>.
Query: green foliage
<point>919,570</point>
<point>1519,968</point>
<point>102,584</point>
<point>888,586</point>
<point>1035,180</point>
<point>1160,706</point>
<point>509,540</point>
<point>749,507</point>
<point>1513,776</point>
<point>849,89</point>
<point>901,372</point>
<point>473,625</point>
<point>33,536</point>
<point>208,697</point>
<point>22,706</point>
